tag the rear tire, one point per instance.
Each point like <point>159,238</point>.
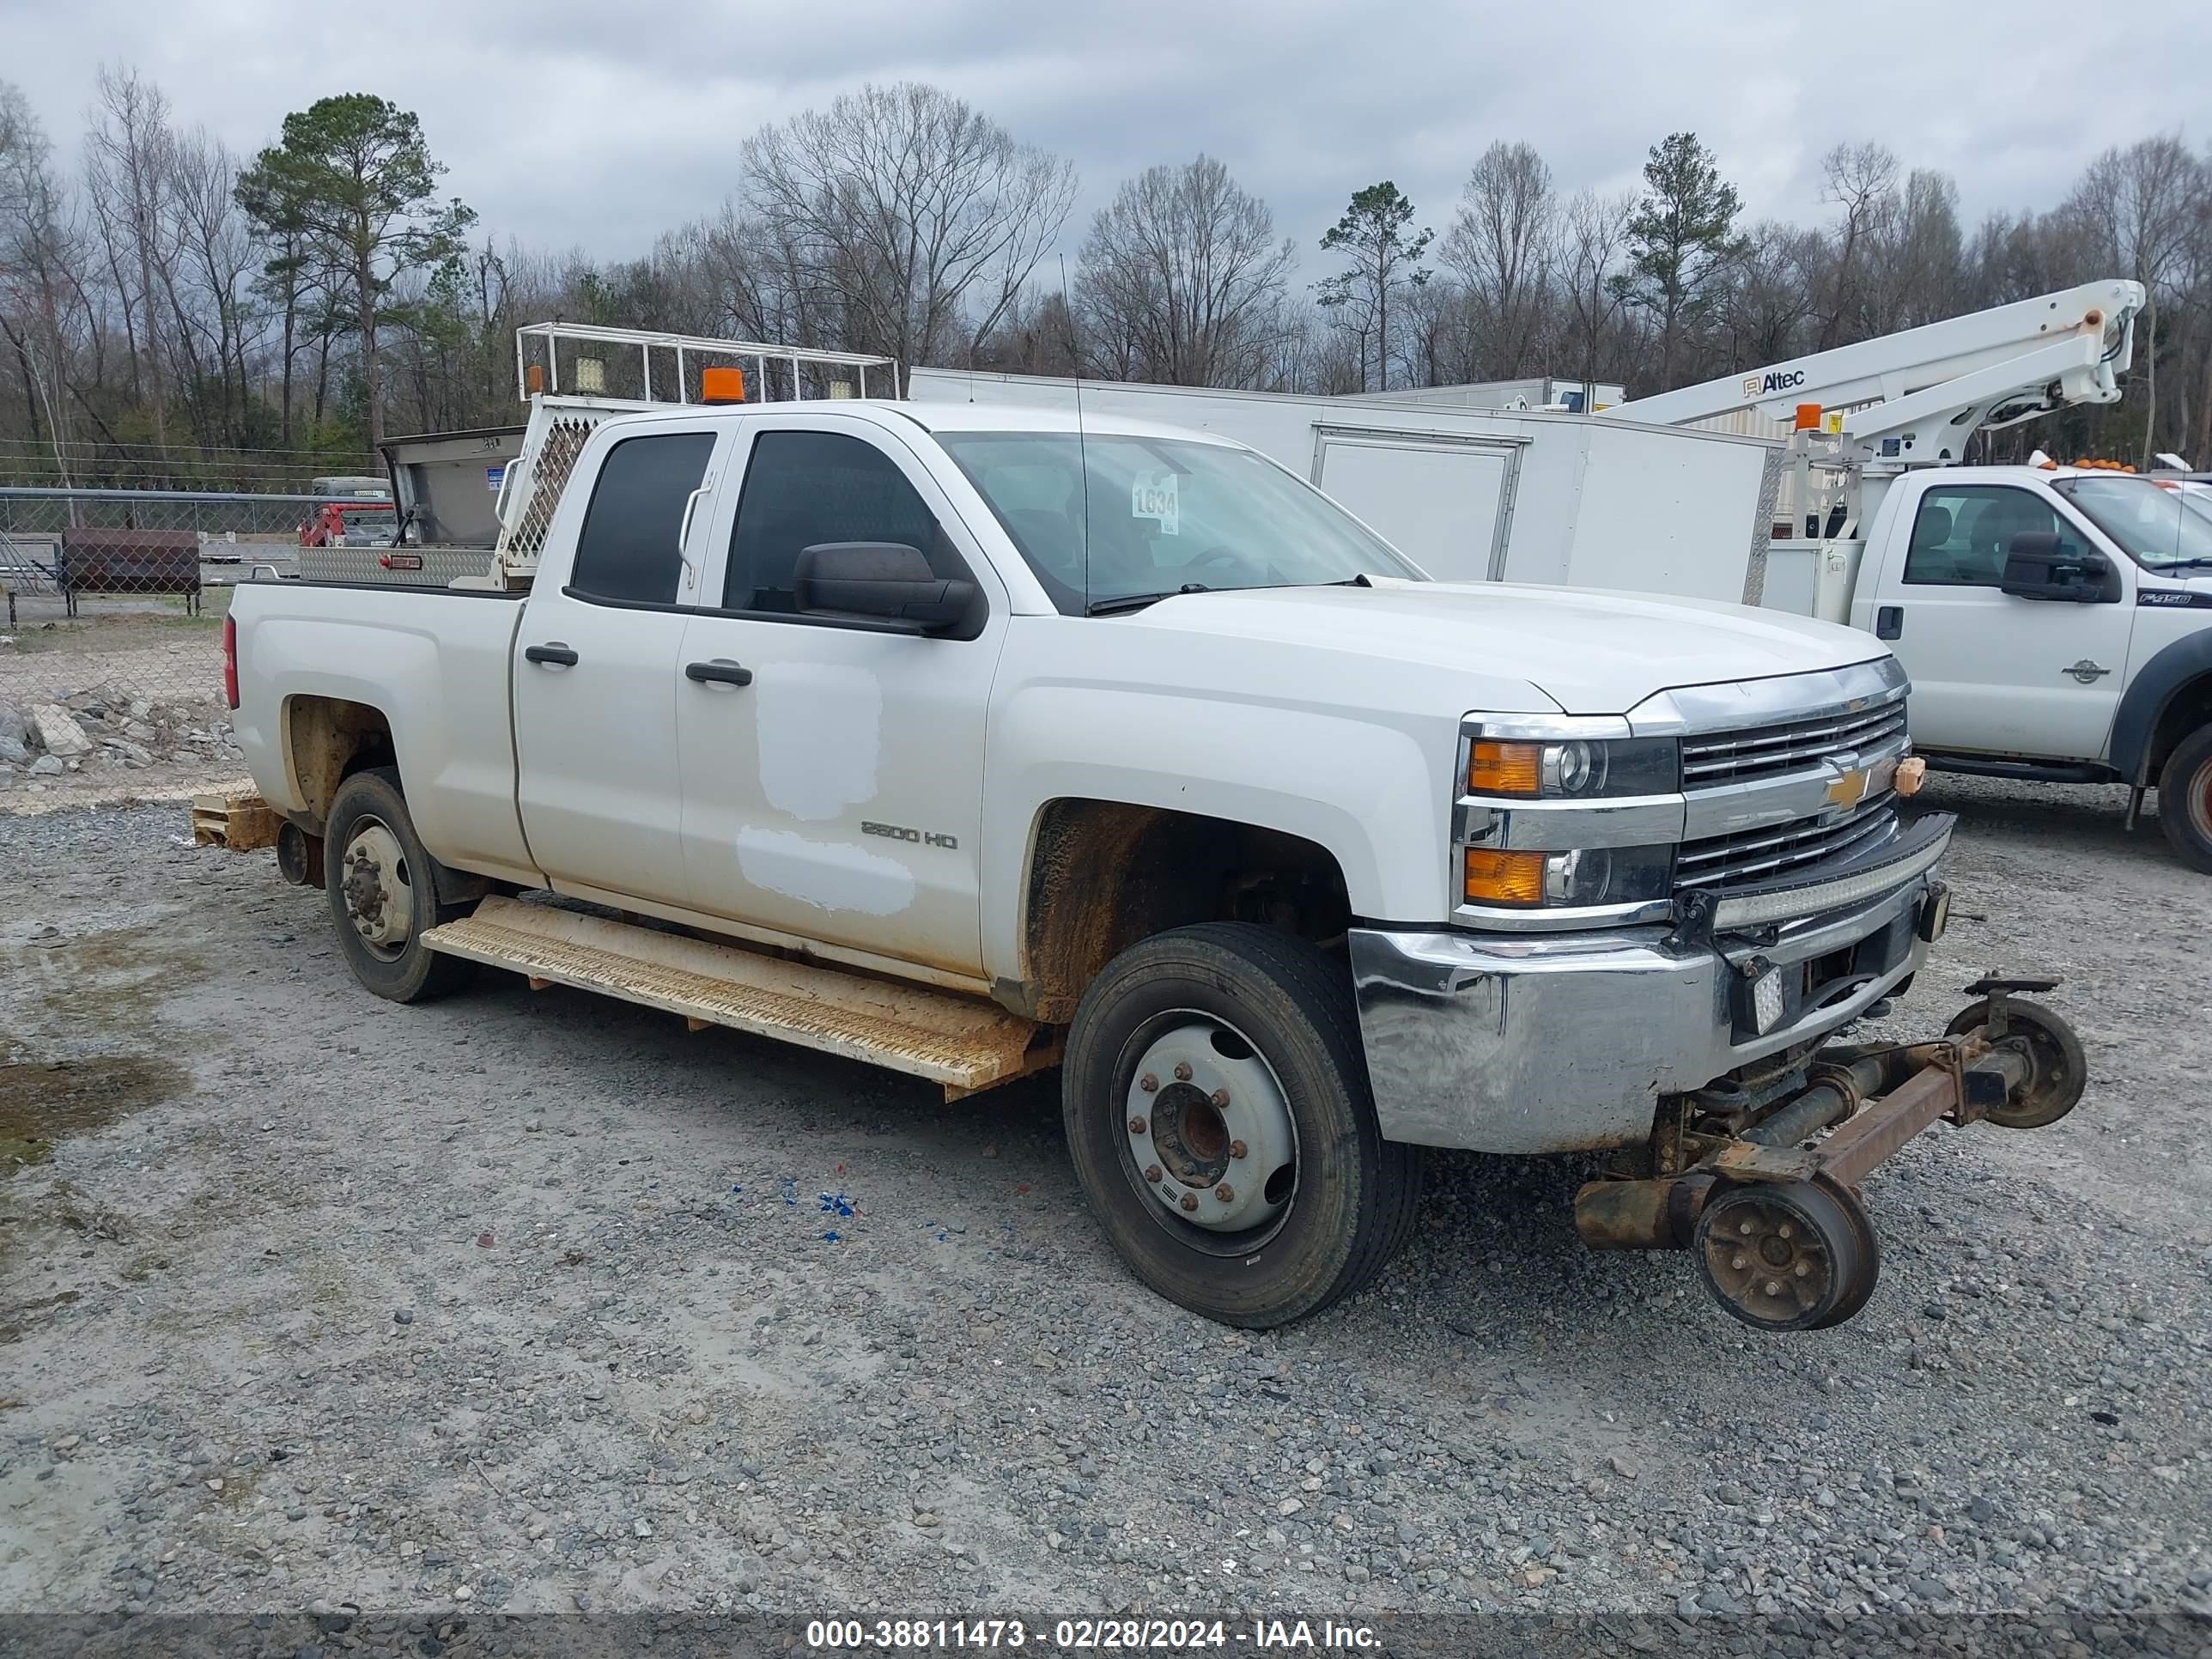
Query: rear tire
<point>1251,1041</point>
<point>2184,799</point>
<point>382,885</point>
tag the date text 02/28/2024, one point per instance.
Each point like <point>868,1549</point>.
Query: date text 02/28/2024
<point>1085,1635</point>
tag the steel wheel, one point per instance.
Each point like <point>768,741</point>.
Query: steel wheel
<point>2062,1070</point>
<point>1208,1137</point>
<point>1869,1253</point>
<point>379,899</point>
<point>1787,1256</point>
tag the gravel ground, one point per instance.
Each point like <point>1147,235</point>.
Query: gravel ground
<point>531,1302</point>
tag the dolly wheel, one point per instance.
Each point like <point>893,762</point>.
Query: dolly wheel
<point>1787,1256</point>
<point>1869,1253</point>
<point>2062,1070</point>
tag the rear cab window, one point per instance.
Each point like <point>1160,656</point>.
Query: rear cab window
<point>627,551</point>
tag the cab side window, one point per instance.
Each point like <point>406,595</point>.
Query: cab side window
<point>1961,534</point>
<point>806,487</point>
<point>627,551</point>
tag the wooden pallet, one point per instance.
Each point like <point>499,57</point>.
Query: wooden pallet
<point>959,1042</point>
<point>240,822</point>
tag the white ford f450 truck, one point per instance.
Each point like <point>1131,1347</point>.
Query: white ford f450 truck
<point>976,741</point>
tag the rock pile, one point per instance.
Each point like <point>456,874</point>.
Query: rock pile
<point>108,727</point>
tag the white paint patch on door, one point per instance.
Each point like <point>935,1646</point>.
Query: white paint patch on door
<point>820,728</point>
<point>823,874</point>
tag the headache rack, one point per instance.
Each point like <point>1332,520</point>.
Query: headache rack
<point>574,375</point>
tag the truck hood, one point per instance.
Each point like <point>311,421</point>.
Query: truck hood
<point>1590,651</point>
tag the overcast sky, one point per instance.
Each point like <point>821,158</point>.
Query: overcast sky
<point>594,124</point>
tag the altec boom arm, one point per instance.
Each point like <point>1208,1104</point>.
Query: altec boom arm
<point>1928,390</point>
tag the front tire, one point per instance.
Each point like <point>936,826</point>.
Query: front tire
<point>2184,799</point>
<point>383,892</point>
<point>1217,1106</point>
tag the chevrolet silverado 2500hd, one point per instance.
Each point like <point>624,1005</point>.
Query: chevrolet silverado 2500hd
<point>972,742</point>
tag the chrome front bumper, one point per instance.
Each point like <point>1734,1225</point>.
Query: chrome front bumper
<point>1555,1042</point>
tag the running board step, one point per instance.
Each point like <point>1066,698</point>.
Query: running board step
<point>962,1044</point>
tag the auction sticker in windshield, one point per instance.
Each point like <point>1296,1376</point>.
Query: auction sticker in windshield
<point>1152,495</point>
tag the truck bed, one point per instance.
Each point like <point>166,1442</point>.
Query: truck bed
<point>443,654</point>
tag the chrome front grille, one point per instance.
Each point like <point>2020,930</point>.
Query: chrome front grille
<point>1764,751</point>
<point>1720,862</point>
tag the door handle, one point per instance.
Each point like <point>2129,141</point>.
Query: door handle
<point>1889,622</point>
<point>555,653</point>
<point>720,672</point>
<point>684,532</point>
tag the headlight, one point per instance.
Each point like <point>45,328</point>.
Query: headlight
<point>1573,767</point>
<point>1590,875</point>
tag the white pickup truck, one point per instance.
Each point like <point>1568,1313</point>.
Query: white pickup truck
<point>2058,625</point>
<point>973,741</point>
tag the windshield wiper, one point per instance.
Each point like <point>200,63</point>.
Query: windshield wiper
<point>2201,562</point>
<point>1139,601</point>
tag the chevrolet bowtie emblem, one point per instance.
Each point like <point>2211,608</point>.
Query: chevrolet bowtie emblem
<point>1849,789</point>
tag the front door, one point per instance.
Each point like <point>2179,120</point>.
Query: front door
<point>833,772</point>
<point>1991,673</point>
<point>595,676</point>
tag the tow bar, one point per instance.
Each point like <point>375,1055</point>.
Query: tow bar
<point>1764,1194</point>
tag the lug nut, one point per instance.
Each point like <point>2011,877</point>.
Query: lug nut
<point>1740,1261</point>
<point>1774,1287</point>
<point>1182,1071</point>
<point>1136,1126</point>
<point>1189,1202</point>
<point>1238,1149</point>
<point>1224,1192</point>
<point>1149,1083</point>
<point>1219,1097</point>
<point>1152,1172</point>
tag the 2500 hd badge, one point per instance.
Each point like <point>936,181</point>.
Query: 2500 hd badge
<point>901,832</point>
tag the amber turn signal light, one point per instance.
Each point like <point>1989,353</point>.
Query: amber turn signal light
<point>1493,877</point>
<point>1505,769</point>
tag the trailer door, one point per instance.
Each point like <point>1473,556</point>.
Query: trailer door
<point>1445,503</point>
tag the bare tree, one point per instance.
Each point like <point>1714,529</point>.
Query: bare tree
<point>921,216</point>
<point>1593,271</point>
<point>1860,179</point>
<point>1186,266</point>
<point>129,150</point>
<point>1501,245</point>
<point>1917,266</point>
<point>2137,202</point>
<point>38,247</point>
<point>208,285</point>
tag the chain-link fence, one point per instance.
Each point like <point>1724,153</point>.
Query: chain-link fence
<point>110,657</point>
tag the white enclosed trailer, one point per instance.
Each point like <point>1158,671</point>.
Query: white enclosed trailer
<point>1523,496</point>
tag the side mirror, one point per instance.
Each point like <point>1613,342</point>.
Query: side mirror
<point>888,580</point>
<point>2037,568</point>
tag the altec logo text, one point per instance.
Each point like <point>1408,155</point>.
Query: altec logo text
<point>1774,380</point>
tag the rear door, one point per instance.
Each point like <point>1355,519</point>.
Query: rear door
<point>1991,673</point>
<point>833,771</point>
<point>597,670</point>
<point>1445,503</point>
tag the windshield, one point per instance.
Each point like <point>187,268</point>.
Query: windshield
<point>366,517</point>
<point>1165,516</point>
<point>2158,524</point>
